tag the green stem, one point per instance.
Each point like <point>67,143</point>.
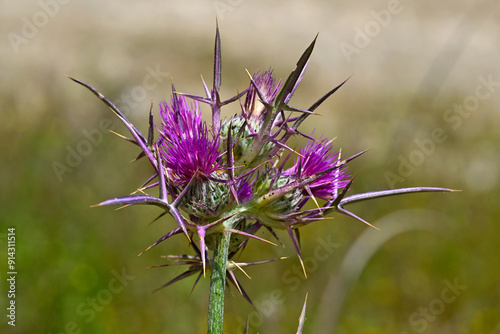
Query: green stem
<point>217,284</point>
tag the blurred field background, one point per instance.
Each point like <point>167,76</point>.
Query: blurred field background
<point>421,62</point>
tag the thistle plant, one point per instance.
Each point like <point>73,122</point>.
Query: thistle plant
<point>224,182</point>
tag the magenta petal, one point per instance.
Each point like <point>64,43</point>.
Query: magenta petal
<point>186,147</point>
<point>317,157</point>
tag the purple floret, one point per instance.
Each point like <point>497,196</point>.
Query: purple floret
<point>316,158</point>
<point>186,147</point>
<point>269,88</point>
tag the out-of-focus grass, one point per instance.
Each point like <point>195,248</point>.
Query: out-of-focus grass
<point>67,252</point>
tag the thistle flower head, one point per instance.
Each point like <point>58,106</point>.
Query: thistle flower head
<point>268,87</point>
<point>185,146</point>
<point>317,157</point>
<point>246,126</point>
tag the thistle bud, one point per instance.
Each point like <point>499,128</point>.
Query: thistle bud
<point>270,212</point>
<point>206,198</point>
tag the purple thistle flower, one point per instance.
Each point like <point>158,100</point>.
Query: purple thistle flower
<point>247,130</point>
<point>315,158</point>
<point>268,87</point>
<point>185,146</point>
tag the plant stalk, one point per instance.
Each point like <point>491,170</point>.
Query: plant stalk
<point>218,283</point>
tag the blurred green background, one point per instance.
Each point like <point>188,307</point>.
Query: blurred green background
<point>419,96</point>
